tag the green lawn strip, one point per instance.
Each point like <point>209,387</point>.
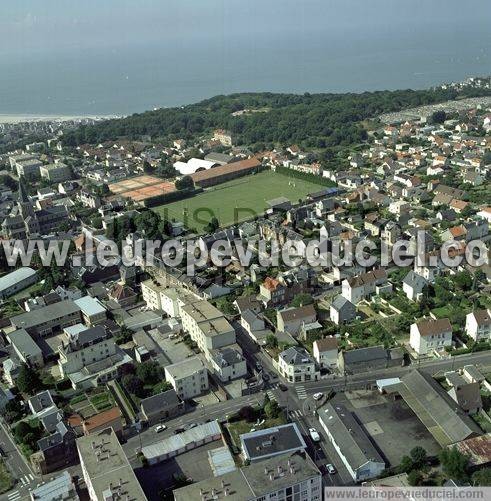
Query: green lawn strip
<point>240,427</point>
<point>247,195</point>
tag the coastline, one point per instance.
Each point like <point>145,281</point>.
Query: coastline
<point>20,118</point>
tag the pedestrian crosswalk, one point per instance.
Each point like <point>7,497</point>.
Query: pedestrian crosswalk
<point>13,496</point>
<point>271,395</point>
<point>301,392</point>
<point>26,479</point>
<point>297,413</point>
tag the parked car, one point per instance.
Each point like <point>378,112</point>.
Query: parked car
<point>318,396</point>
<point>190,426</point>
<point>160,427</point>
<point>330,469</point>
<point>314,435</point>
<point>259,367</point>
<point>178,430</point>
<point>283,387</point>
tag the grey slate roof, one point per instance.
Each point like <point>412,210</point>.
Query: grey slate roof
<point>354,443</point>
<point>46,314</point>
<point>340,302</point>
<point>160,401</point>
<point>438,412</point>
<point>365,354</point>
<point>417,282</point>
<point>296,356</point>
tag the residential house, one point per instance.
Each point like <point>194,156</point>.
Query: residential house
<point>291,320</point>
<point>369,359</point>
<point>161,407</point>
<point>478,325</point>
<point>466,393</point>
<point>326,352</point>
<point>413,286</point>
<point>25,348</point>
<point>361,287</point>
<point>228,364</point>
<point>342,310</point>
<point>297,366</point>
<point>430,335</point>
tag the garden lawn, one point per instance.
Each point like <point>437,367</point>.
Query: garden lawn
<point>237,200</point>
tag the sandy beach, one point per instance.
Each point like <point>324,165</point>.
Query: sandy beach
<point>13,119</point>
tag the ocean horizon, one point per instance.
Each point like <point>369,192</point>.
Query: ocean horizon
<point>318,46</point>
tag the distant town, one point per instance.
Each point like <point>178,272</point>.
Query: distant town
<point>258,382</point>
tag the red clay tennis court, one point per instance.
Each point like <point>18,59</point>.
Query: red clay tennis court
<point>141,187</point>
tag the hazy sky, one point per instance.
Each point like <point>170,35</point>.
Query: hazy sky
<point>42,26</point>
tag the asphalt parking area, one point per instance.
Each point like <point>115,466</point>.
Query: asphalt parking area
<point>395,429</point>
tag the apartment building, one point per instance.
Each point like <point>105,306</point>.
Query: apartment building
<point>56,173</point>
<point>207,326</point>
<point>105,468</point>
<point>284,477</point>
<point>189,378</point>
<point>81,347</point>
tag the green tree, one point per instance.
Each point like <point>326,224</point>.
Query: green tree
<point>454,463</point>
<point>28,380</point>
<point>482,477</point>
<point>166,170</point>
<point>272,409</point>
<point>150,372</point>
<point>271,341</point>
<point>438,117</point>
<point>185,182</point>
<point>406,464</point>
<point>302,299</point>
<point>415,477</point>
<point>419,456</point>
<point>133,384</point>
<point>212,226</point>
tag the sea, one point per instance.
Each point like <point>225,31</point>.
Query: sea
<point>311,46</point>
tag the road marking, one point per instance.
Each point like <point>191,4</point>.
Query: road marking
<point>271,395</point>
<point>301,392</point>
<point>296,413</point>
<point>23,481</point>
<point>13,496</point>
<point>31,476</point>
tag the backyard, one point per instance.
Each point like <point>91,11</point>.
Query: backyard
<point>237,200</point>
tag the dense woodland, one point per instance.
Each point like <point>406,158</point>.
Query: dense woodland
<point>315,120</point>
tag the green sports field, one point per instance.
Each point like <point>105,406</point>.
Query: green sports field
<point>236,200</point>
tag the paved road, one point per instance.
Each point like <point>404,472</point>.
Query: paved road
<point>19,468</point>
<point>480,359</point>
<point>197,415</point>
